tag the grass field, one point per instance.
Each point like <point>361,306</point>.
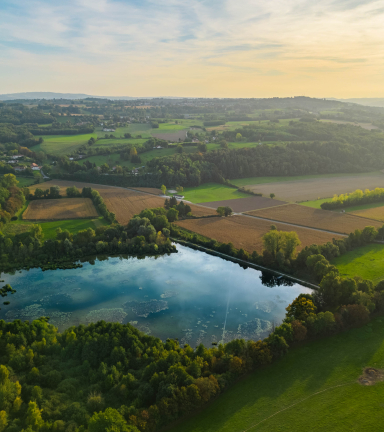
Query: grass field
<point>313,388</point>
<point>59,209</point>
<point>49,228</point>
<point>212,192</point>
<point>25,181</point>
<point>366,261</point>
<point>311,217</point>
<point>246,232</point>
<point>314,204</point>
<point>62,144</point>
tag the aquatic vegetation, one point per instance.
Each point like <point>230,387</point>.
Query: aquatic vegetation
<point>169,294</point>
<point>109,315</point>
<point>266,306</point>
<point>143,309</point>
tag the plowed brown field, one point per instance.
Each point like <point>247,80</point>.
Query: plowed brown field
<point>376,213</point>
<point>322,219</point>
<point>246,232</point>
<point>123,202</point>
<point>59,209</point>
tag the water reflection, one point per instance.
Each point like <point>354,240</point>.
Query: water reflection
<point>191,295</point>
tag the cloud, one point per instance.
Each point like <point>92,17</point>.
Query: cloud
<point>128,46</point>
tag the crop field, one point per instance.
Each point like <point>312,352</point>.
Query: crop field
<point>123,202</point>
<point>366,261</point>
<point>58,209</point>
<point>211,192</point>
<point>153,191</point>
<point>143,129</point>
<point>317,188</point>
<point>62,144</point>
<point>310,217</point>
<point>247,232</point>
<point>170,136</point>
<point>372,211</point>
<point>313,388</point>
<point>246,204</point>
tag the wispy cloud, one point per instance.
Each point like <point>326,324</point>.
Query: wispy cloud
<point>148,47</point>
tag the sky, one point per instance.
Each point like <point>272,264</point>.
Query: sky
<point>193,48</point>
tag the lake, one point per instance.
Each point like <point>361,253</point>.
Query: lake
<point>189,295</point>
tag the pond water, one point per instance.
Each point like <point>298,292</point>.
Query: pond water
<point>189,295</point>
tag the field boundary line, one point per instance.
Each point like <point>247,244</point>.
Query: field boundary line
<point>248,264</point>
<point>294,225</point>
<point>296,403</point>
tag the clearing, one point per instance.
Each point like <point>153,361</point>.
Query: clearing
<point>315,218</point>
<point>317,188</point>
<point>247,232</point>
<point>366,261</point>
<point>246,204</point>
<point>313,388</point>
<point>59,209</point>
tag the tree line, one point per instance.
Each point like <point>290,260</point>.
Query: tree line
<point>357,197</point>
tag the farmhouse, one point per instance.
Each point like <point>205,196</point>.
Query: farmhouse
<point>20,168</point>
<point>178,196</point>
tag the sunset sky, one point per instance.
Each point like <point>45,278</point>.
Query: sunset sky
<point>194,48</point>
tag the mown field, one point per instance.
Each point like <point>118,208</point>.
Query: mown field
<point>313,388</point>
<point>317,188</point>
<point>366,261</point>
<point>49,228</point>
<point>247,204</point>
<point>59,209</point>
<point>316,218</point>
<point>211,192</point>
<point>247,232</point>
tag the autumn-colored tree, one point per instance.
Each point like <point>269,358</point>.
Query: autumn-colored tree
<point>208,387</point>
<point>301,307</point>
<point>299,331</point>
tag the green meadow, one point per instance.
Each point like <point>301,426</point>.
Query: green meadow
<point>49,228</point>
<point>211,192</point>
<point>62,144</point>
<point>366,261</point>
<point>313,388</point>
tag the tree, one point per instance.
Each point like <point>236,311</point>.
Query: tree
<point>104,168</point>
<point>34,416</point>
<point>202,147</point>
<point>179,189</point>
<point>220,211</point>
<point>179,148</point>
<point>239,137</point>
<point>54,192</point>
<point>133,152</point>
<point>39,193</point>
<point>172,215</point>
<point>292,241</point>
<point>9,180</point>
<point>301,307</point>
<point>109,421</point>
<point>3,420</point>
<point>273,242</point>
<point>272,195</point>
<point>227,211</point>
<point>163,189</point>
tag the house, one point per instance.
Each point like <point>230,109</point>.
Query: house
<point>38,168</point>
<point>178,196</point>
<point>158,147</point>
<point>12,162</point>
<point>108,130</point>
<point>135,171</point>
<point>20,168</point>
<point>17,156</point>
<point>33,165</point>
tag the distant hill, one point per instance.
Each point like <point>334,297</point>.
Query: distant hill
<point>66,96</point>
<point>373,102</point>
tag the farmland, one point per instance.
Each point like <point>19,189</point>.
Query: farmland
<point>246,204</point>
<point>366,262</point>
<point>316,218</point>
<point>211,192</point>
<point>49,228</point>
<point>59,209</point>
<point>124,203</point>
<point>61,145</point>
<point>313,388</point>
<point>247,232</point>
<point>372,211</point>
<point>316,188</point>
